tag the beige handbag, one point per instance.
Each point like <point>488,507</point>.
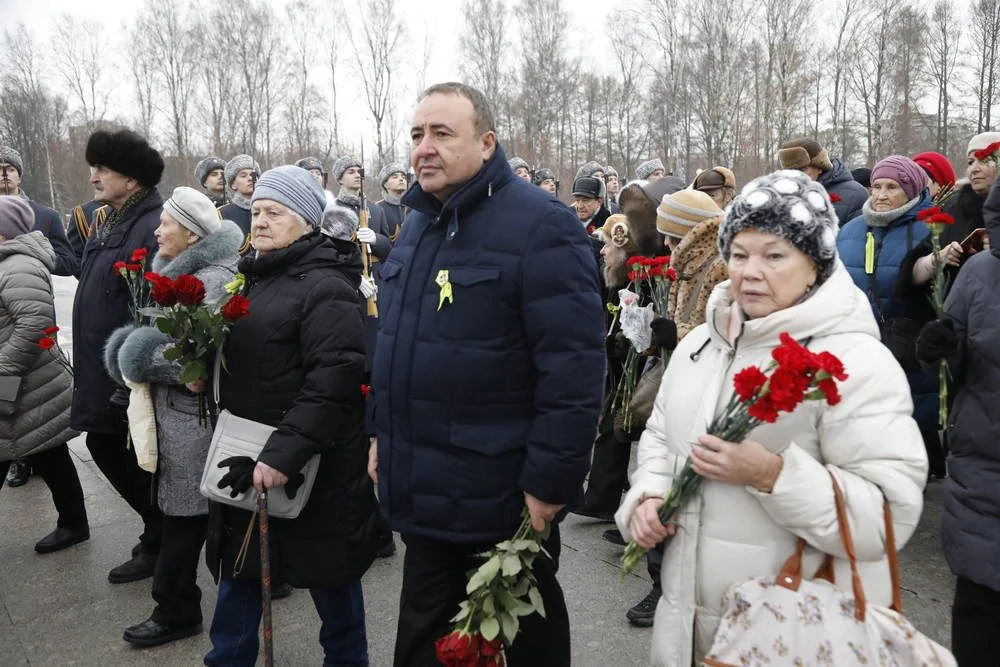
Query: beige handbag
<point>788,620</point>
<point>142,424</point>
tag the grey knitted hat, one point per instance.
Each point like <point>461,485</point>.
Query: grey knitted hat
<point>339,222</point>
<point>516,163</point>
<point>193,210</point>
<point>10,156</point>
<point>343,164</point>
<point>295,188</point>
<point>238,164</point>
<point>589,169</point>
<point>788,204</point>
<point>16,217</point>
<point>206,167</point>
<point>308,163</point>
<point>388,170</point>
<point>645,169</point>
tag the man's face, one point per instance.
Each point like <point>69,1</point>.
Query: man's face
<point>244,181</point>
<point>549,185</point>
<point>318,175</point>
<point>111,187</point>
<point>656,175</point>
<point>215,180</point>
<point>446,150</point>
<point>396,183</point>
<point>523,173</point>
<point>585,207</point>
<point>10,180</point>
<point>612,183</point>
<point>351,179</point>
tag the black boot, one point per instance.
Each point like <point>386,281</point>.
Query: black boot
<point>641,615</point>
<point>140,566</point>
<point>60,538</point>
<point>18,474</point>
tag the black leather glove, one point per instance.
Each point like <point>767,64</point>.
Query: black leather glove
<point>937,340</point>
<point>293,484</point>
<point>664,333</point>
<point>240,475</point>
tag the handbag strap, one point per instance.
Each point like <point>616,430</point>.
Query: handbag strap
<point>216,372</point>
<point>790,574</point>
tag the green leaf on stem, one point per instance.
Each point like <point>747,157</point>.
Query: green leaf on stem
<point>536,601</point>
<point>489,628</point>
<point>510,626</point>
<point>511,565</point>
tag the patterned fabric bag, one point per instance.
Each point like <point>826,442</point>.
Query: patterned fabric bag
<point>788,620</point>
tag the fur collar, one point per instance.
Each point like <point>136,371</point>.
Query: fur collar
<point>698,246</point>
<point>239,200</point>
<point>222,247</point>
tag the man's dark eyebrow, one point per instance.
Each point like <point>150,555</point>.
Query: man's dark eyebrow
<point>435,126</point>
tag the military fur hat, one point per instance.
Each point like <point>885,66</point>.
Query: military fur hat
<point>206,166</point>
<point>610,171</point>
<point>646,169</point>
<point>10,156</point>
<point>127,153</point>
<point>309,163</point>
<point>343,164</point>
<point>238,164</point>
<point>517,163</point>
<point>804,152</point>
<point>388,170</point>
<point>788,204</point>
<point>589,169</point>
<point>542,175</point>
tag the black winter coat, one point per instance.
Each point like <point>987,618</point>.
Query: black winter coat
<point>83,219</point>
<point>241,216</point>
<point>48,223</point>
<point>101,306</point>
<point>296,363</point>
<point>852,195</point>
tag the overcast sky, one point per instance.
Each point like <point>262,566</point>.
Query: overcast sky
<point>435,20</point>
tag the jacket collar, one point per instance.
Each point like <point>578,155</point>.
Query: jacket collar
<point>494,174</point>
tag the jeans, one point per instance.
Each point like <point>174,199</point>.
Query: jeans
<point>234,632</point>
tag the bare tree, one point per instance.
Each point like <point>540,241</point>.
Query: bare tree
<point>254,52</point>
<point>986,37</point>
<point>304,103</point>
<point>376,53</point>
<point>80,58</point>
<point>484,47</point>
<point>841,54</point>
<point>942,55</point>
<point>626,92</point>
<point>871,73</point>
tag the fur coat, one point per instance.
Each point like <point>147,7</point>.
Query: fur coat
<point>699,269</point>
<point>183,437</point>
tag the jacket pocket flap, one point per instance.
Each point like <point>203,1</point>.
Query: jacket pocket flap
<point>466,276</point>
<point>390,269</point>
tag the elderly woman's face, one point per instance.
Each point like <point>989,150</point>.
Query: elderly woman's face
<point>981,175</point>
<point>887,195</point>
<point>274,226</point>
<point>614,259</point>
<point>172,237</point>
<point>768,273</point>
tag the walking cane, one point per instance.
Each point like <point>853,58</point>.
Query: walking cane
<point>265,579</point>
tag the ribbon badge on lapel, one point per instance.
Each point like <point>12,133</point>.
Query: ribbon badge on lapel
<point>445,284</point>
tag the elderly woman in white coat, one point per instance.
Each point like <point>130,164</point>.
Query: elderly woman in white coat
<point>191,240</point>
<point>761,495</point>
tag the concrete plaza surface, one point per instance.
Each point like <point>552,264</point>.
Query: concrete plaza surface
<point>59,609</point>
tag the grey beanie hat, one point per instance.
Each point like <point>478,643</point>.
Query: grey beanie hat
<point>193,210</point>
<point>589,169</point>
<point>310,162</point>
<point>646,169</point>
<point>238,164</point>
<point>206,167</point>
<point>16,216</point>
<point>339,222</point>
<point>295,188</point>
<point>10,156</point>
<point>343,164</point>
<point>390,169</point>
<point>516,163</point>
<point>788,204</point>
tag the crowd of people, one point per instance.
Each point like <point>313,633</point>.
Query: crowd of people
<point>451,353</point>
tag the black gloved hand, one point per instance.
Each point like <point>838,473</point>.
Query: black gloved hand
<point>240,475</point>
<point>664,333</point>
<point>937,340</point>
<point>293,484</point>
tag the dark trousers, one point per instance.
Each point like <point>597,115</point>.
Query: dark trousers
<point>55,467</point>
<point>132,483</point>
<point>175,579</point>
<point>434,583</point>
<point>235,624</point>
<point>608,470</point>
<point>654,563</point>
<point>935,451</point>
<point>975,624</point>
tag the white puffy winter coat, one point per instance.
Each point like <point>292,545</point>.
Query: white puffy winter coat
<point>730,534</point>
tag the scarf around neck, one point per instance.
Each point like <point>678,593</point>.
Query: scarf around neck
<point>117,215</point>
<point>885,218</point>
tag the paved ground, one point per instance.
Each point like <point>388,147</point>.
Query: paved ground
<point>59,609</point>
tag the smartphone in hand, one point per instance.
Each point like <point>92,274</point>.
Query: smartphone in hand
<point>974,242</point>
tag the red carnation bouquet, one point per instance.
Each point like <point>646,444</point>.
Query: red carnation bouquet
<point>797,375</point>
<point>937,221</point>
<point>138,291</point>
<point>500,592</point>
<point>198,329</point>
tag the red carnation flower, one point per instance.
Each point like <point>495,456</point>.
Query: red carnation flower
<point>928,212</point>
<point>236,308</point>
<point>46,343</point>
<point>830,391</point>
<point>763,409</point>
<point>671,274</point>
<point>831,365</point>
<point>987,153</point>
<point>118,267</point>
<point>748,382</point>
<point>190,290</point>
<point>133,267</point>
<point>139,254</point>
<point>48,331</point>
<point>365,390</point>
<point>834,198</point>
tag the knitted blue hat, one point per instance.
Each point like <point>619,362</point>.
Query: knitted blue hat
<point>294,187</point>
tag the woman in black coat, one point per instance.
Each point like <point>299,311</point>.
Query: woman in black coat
<point>297,363</point>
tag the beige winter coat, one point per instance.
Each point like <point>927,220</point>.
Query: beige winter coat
<point>730,534</point>
<point>26,310</point>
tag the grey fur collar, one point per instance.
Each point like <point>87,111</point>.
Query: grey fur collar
<point>141,358</point>
<point>352,199</point>
<point>239,200</point>
<point>886,218</point>
<point>392,199</point>
<point>222,247</point>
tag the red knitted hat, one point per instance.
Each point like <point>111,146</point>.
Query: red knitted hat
<point>937,167</point>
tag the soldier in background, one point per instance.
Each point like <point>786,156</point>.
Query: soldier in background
<point>392,180</point>
<point>210,173</point>
<point>241,174</point>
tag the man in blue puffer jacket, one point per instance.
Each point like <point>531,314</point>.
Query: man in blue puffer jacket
<point>488,372</point>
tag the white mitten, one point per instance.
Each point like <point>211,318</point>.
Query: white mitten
<point>368,287</point>
<point>366,235</point>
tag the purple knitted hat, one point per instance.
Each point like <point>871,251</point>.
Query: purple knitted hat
<point>904,171</point>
